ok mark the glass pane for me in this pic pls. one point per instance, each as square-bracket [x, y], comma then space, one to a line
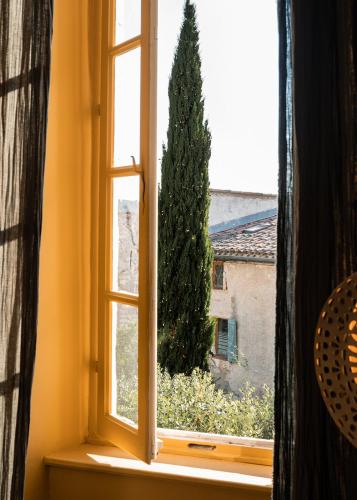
[128, 20]
[125, 361]
[126, 233]
[127, 108]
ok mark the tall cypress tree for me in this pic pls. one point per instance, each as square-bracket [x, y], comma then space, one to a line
[185, 256]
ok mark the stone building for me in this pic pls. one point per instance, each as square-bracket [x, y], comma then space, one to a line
[228, 205]
[243, 298]
[243, 235]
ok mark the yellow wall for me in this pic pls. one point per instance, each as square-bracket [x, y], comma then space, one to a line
[59, 416]
[78, 485]
[59, 400]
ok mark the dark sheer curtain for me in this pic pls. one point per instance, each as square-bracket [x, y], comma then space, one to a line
[316, 236]
[25, 38]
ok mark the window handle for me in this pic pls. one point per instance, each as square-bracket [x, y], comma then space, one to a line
[139, 170]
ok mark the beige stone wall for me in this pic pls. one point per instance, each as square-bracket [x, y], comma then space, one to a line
[229, 205]
[249, 298]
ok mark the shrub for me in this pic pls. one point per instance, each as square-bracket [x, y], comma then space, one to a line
[193, 403]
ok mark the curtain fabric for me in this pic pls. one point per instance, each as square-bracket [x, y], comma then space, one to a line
[25, 37]
[316, 236]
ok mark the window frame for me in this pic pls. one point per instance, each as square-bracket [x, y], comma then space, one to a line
[140, 439]
[102, 428]
[218, 263]
[230, 356]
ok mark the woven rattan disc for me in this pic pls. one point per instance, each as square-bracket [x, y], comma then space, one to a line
[336, 356]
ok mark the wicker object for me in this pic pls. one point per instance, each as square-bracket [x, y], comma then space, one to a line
[335, 352]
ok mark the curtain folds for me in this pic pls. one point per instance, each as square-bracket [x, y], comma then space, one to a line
[25, 38]
[317, 229]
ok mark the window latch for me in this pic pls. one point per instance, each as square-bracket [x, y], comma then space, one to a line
[197, 446]
[139, 170]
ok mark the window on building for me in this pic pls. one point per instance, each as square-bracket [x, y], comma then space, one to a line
[226, 339]
[218, 276]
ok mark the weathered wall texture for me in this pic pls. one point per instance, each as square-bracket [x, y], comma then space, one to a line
[249, 298]
[228, 205]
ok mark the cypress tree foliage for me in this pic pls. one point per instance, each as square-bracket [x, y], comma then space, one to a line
[185, 255]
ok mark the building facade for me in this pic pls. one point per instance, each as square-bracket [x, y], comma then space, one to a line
[243, 236]
[228, 205]
[243, 292]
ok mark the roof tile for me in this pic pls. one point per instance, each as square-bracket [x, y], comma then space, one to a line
[256, 239]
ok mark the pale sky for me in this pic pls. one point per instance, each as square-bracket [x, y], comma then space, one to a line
[239, 52]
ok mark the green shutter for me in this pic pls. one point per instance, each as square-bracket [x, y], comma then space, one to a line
[232, 341]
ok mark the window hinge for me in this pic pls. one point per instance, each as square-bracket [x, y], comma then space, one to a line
[97, 109]
[96, 366]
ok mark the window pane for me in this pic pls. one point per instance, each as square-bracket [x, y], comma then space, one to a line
[127, 108]
[128, 20]
[125, 361]
[126, 192]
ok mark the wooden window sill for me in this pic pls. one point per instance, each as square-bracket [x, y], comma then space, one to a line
[192, 469]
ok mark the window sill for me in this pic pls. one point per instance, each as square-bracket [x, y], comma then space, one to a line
[111, 460]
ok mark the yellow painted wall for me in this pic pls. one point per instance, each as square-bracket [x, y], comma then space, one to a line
[59, 411]
[60, 389]
[78, 485]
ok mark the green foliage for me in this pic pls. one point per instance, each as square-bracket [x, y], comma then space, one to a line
[126, 369]
[185, 255]
[127, 397]
[193, 403]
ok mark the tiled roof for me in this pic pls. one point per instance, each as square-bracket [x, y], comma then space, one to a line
[234, 223]
[254, 238]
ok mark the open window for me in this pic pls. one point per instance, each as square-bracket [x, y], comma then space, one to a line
[127, 246]
[226, 339]
[127, 227]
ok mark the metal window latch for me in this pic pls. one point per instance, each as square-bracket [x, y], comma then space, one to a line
[139, 170]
